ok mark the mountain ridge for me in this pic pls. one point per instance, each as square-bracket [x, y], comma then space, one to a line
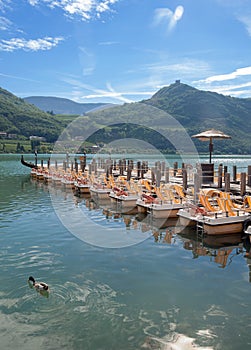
[59, 105]
[195, 109]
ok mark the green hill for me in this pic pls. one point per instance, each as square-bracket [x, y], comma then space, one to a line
[194, 109]
[21, 118]
[200, 110]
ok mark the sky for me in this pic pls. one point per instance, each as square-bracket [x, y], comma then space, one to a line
[119, 51]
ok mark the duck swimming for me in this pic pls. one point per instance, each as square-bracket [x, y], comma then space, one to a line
[39, 286]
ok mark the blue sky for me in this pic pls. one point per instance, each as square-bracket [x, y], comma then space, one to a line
[120, 51]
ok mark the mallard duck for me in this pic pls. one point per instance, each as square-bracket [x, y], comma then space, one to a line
[39, 286]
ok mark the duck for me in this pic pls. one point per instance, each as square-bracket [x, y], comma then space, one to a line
[39, 286]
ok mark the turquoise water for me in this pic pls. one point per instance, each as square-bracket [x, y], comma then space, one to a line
[170, 292]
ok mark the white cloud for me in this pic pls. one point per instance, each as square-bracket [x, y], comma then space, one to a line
[236, 83]
[13, 44]
[168, 16]
[230, 76]
[85, 9]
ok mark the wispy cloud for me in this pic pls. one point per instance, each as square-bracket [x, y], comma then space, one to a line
[85, 9]
[240, 72]
[246, 20]
[110, 94]
[236, 83]
[13, 44]
[108, 43]
[4, 4]
[5, 23]
[17, 77]
[167, 16]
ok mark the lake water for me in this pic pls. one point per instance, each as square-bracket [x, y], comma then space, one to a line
[167, 291]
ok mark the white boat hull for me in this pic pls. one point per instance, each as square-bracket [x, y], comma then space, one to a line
[164, 211]
[125, 201]
[100, 193]
[214, 225]
[84, 189]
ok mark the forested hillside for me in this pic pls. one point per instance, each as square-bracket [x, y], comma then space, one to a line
[194, 109]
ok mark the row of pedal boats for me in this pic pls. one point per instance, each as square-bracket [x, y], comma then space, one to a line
[211, 210]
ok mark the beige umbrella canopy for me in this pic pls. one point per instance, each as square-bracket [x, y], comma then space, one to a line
[209, 135]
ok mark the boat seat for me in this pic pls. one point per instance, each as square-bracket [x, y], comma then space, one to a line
[226, 196]
[247, 201]
[204, 201]
[225, 207]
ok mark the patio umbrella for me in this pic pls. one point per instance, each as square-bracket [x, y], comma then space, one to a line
[210, 135]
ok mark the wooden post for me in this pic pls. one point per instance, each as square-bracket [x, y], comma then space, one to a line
[48, 163]
[175, 168]
[158, 177]
[249, 175]
[197, 186]
[128, 174]
[234, 173]
[167, 175]
[143, 169]
[199, 172]
[138, 169]
[64, 165]
[225, 171]
[42, 163]
[227, 182]
[220, 176]
[153, 175]
[243, 184]
[184, 178]
[163, 167]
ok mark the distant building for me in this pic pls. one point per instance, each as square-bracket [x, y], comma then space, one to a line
[37, 138]
[177, 81]
[12, 136]
[3, 134]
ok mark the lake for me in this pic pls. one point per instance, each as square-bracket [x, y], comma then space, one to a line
[158, 289]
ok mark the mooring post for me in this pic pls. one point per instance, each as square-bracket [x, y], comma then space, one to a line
[153, 175]
[225, 171]
[227, 182]
[175, 168]
[167, 175]
[220, 176]
[249, 175]
[158, 177]
[163, 167]
[243, 184]
[138, 170]
[184, 178]
[197, 186]
[234, 173]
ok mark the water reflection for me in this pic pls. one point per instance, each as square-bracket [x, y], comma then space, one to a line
[220, 250]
